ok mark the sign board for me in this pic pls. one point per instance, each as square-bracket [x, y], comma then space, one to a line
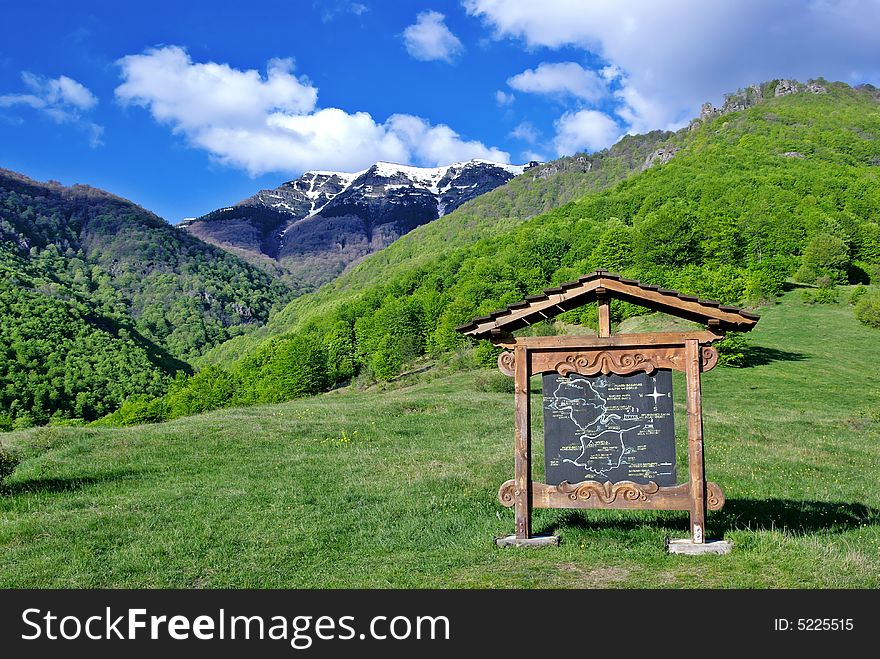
[609, 428]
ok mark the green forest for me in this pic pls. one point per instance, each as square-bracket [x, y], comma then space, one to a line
[101, 300]
[785, 190]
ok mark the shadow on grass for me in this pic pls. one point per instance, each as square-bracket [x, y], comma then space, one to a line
[58, 485]
[761, 356]
[800, 517]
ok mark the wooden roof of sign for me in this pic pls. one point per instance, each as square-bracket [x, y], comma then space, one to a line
[573, 294]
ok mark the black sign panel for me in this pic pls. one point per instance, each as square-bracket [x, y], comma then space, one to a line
[609, 428]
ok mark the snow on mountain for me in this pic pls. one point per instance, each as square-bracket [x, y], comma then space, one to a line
[318, 224]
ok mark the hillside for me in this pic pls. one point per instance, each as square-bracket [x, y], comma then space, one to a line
[398, 488]
[787, 187]
[89, 279]
[538, 190]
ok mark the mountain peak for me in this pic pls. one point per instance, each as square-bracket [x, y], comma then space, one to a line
[318, 224]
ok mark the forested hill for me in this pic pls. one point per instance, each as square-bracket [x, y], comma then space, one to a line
[738, 188]
[101, 299]
[742, 200]
[538, 190]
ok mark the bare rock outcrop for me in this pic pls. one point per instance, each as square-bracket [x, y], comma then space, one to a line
[660, 156]
[786, 87]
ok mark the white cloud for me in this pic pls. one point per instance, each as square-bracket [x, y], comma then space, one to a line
[191, 96]
[62, 99]
[61, 93]
[642, 114]
[273, 123]
[332, 10]
[529, 156]
[438, 144]
[610, 72]
[525, 131]
[677, 54]
[429, 38]
[561, 78]
[502, 98]
[584, 130]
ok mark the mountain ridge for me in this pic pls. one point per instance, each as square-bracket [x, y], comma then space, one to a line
[729, 214]
[317, 225]
[101, 299]
[539, 189]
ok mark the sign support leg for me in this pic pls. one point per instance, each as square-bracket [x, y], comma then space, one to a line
[696, 462]
[522, 460]
[522, 446]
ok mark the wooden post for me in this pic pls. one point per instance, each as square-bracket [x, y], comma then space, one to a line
[696, 465]
[604, 313]
[522, 464]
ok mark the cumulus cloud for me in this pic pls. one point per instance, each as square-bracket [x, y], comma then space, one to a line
[438, 144]
[429, 38]
[674, 55]
[502, 98]
[191, 95]
[588, 130]
[62, 99]
[273, 123]
[561, 78]
[334, 9]
[529, 156]
[525, 131]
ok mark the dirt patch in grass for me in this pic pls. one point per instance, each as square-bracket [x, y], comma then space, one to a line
[601, 577]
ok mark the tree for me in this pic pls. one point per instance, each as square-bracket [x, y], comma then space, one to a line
[297, 368]
[667, 237]
[340, 347]
[824, 256]
[387, 360]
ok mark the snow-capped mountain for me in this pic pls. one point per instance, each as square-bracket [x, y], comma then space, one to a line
[315, 226]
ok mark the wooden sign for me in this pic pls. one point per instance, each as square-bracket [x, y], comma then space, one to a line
[609, 427]
[607, 446]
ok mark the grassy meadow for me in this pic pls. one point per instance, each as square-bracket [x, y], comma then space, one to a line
[397, 487]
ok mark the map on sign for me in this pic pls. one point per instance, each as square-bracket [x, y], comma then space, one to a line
[609, 428]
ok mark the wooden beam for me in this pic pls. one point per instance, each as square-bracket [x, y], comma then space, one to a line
[696, 464]
[620, 495]
[621, 360]
[522, 461]
[674, 305]
[557, 300]
[567, 300]
[623, 340]
[604, 313]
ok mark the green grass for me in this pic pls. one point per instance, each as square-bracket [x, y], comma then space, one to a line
[398, 488]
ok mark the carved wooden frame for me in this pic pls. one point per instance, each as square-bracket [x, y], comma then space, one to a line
[621, 355]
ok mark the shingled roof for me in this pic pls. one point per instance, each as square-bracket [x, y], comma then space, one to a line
[573, 294]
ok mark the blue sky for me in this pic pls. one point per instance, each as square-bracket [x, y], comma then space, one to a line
[188, 106]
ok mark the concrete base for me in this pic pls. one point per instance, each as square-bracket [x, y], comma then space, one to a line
[534, 541]
[685, 546]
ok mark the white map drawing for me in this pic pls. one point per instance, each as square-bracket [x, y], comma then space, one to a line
[606, 421]
[586, 404]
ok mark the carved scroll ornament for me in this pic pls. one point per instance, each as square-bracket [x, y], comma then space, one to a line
[621, 362]
[607, 492]
[708, 358]
[506, 362]
[606, 361]
[623, 494]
